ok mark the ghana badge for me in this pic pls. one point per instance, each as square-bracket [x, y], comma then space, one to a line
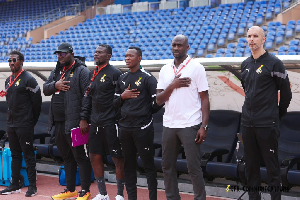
[102, 79]
[18, 82]
[138, 82]
[259, 70]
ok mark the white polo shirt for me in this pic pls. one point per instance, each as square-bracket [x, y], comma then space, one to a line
[183, 109]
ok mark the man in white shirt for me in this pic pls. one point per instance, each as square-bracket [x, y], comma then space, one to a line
[183, 87]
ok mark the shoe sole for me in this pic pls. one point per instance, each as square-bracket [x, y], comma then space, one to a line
[31, 195]
[69, 198]
[12, 192]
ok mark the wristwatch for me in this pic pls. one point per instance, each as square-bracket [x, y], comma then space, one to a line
[205, 127]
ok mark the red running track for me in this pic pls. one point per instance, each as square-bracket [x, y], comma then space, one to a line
[48, 186]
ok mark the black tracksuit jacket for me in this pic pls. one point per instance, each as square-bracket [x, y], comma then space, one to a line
[78, 76]
[262, 78]
[137, 112]
[97, 105]
[24, 101]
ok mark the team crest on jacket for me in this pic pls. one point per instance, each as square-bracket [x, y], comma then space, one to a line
[72, 74]
[138, 82]
[102, 79]
[259, 70]
[18, 82]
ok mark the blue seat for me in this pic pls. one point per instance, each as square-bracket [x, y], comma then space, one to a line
[289, 33]
[221, 51]
[292, 53]
[283, 48]
[238, 54]
[228, 55]
[297, 28]
[209, 56]
[294, 42]
[218, 55]
[221, 42]
[231, 45]
[293, 48]
[281, 53]
[269, 15]
[200, 52]
[247, 54]
[210, 47]
[269, 44]
[279, 39]
[231, 36]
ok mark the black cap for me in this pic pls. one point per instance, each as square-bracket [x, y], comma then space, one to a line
[64, 47]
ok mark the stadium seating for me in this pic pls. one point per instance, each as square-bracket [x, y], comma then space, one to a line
[207, 28]
[19, 17]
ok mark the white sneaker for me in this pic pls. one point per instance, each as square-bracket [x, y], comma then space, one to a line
[119, 197]
[101, 197]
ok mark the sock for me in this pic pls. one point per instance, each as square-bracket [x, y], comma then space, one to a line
[120, 185]
[101, 185]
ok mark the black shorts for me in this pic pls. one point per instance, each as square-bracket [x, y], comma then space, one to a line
[104, 141]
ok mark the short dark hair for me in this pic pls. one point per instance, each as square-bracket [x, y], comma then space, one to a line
[21, 56]
[137, 49]
[108, 48]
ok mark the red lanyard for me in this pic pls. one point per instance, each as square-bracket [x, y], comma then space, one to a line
[11, 83]
[4, 93]
[176, 73]
[93, 78]
[64, 72]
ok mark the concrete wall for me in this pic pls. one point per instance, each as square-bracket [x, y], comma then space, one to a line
[292, 14]
[196, 3]
[53, 28]
[63, 26]
[91, 12]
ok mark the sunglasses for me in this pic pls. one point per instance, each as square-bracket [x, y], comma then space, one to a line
[14, 60]
[62, 54]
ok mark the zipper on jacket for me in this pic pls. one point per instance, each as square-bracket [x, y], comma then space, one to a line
[252, 75]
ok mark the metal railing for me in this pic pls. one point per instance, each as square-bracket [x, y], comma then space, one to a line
[291, 6]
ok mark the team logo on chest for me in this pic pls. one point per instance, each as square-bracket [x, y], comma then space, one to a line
[18, 82]
[102, 79]
[138, 82]
[71, 74]
[259, 70]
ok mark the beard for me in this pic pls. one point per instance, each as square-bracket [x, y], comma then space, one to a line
[67, 63]
[98, 62]
[14, 69]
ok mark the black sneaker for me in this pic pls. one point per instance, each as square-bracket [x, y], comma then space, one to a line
[32, 191]
[84, 195]
[11, 189]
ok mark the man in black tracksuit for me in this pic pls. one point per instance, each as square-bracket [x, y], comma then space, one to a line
[24, 106]
[262, 76]
[67, 84]
[98, 108]
[136, 96]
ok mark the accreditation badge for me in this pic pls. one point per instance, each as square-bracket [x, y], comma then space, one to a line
[3, 93]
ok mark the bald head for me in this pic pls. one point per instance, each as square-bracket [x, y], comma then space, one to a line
[258, 30]
[256, 39]
[181, 38]
[180, 46]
